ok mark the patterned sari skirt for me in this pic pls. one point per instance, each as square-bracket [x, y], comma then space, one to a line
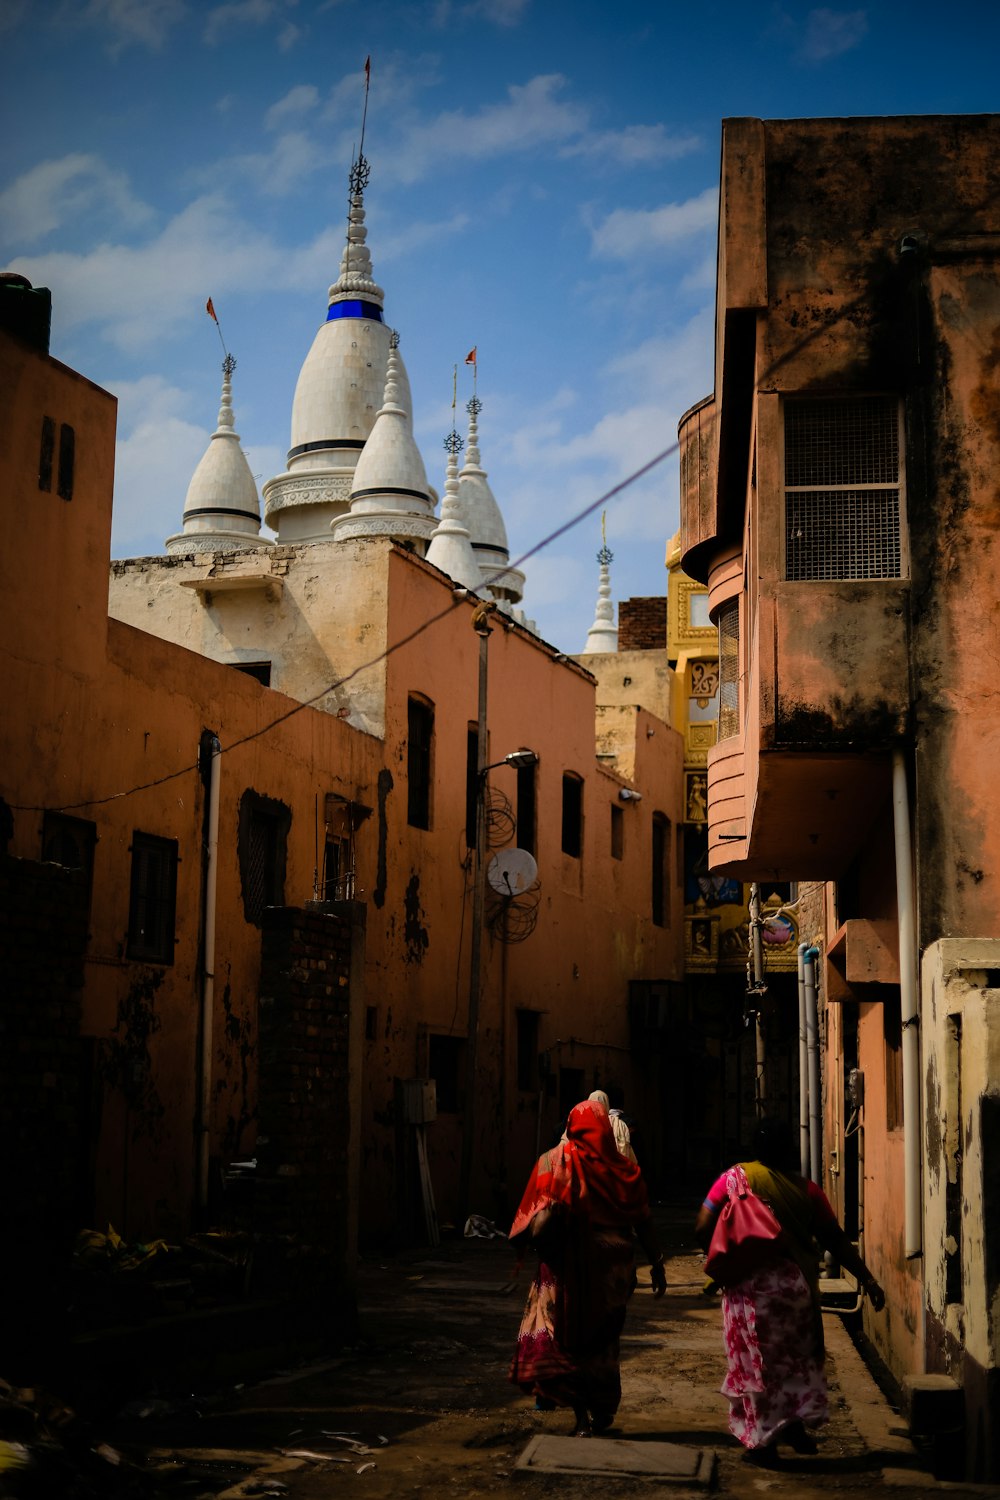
[568, 1343]
[774, 1353]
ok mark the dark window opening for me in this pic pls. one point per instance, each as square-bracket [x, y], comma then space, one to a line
[661, 871]
[571, 1089]
[260, 671]
[67, 461]
[262, 848]
[617, 832]
[70, 842]
[526, 807]
[419, 740]
[371, 1023]
[152, 899]
[471, 785]
[46, 453]
[444, 1056]
[892, 1032]
[572, 815]
[527, 1050]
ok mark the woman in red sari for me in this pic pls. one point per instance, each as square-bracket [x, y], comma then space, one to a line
[583, 1206]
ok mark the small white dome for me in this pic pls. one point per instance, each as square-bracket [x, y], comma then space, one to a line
[221, 511]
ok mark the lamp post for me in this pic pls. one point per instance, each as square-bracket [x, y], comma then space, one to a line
[516, 758]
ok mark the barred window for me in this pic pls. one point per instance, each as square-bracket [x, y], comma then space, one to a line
[262, 842]
[729, 669]
[843, 484]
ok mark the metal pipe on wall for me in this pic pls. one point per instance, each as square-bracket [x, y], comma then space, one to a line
[909, 1012]
[803, 1068]
[810, 959]
[210, 743]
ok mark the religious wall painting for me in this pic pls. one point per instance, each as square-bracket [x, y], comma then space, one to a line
[700, 884]
[701, 941]
[695, 796]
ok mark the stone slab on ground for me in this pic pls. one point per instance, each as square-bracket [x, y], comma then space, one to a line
[669, 1463]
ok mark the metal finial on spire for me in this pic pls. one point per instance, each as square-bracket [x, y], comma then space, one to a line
[605, 556]
[453, 443]
[474, 406]
[394, 339]
[228, 366]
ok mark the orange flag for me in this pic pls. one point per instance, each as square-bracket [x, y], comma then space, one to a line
[211, 310]
[470, 358]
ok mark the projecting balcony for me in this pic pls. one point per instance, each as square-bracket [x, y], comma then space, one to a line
[824, 697]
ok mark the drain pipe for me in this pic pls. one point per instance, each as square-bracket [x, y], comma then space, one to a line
[913, 1237]
[803, 1066]
[210, 747]
[810, 959]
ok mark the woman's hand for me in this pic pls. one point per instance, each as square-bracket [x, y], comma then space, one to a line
[658, 1278]
[875, 1294]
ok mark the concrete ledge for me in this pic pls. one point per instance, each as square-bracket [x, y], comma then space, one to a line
[667, 1463]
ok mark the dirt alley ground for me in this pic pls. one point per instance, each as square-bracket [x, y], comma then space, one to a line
[425, 1390]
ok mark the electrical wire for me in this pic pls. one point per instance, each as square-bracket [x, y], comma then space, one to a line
[406, 640]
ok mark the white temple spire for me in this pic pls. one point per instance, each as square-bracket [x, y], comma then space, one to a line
[603, 634]
[221, 511]
[480, 512]
[450, 548]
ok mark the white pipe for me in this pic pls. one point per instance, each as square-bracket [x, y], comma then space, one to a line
[809, 961]
[908, 999]
[803, 1066]
[208, 974]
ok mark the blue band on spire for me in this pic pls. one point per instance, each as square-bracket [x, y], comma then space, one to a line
[370, 310]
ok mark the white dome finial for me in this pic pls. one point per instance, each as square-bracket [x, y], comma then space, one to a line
[603, 634]
[450, 547]
[221, 511]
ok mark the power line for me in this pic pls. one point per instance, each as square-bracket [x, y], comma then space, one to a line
[453, 603]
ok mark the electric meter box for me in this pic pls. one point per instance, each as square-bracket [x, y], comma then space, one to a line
[419, 1101]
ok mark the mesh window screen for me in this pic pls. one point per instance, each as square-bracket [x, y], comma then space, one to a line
[729, 669]
[842, 489]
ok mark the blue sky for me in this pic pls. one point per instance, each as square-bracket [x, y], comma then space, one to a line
[544, 178]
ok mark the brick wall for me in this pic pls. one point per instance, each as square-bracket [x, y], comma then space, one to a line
[642, 624]
[307, 1105]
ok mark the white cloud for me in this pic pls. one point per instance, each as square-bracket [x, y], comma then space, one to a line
[58, 192]
[224, 20]
[154, 461]
[831, 33]
[530, 117]
[636, 145]
[499, 12]
[293, 156]
[300, 100]
[144, 23]
[632, 232]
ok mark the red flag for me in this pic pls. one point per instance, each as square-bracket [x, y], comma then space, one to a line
[368, 69]
[211, 310]
[470, 358]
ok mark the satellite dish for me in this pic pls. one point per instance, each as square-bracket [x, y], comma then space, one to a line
[512, 871]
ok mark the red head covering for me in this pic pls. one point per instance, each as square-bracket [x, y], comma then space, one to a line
[586, 1174]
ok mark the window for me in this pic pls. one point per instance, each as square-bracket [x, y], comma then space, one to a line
[661, 870]
[526, 785]
[152, 899]
[528, 1078]
[471, 785]
[337, 882]
[70, 842]
[729, 669]
[843, 488]
[698, 609]
[259, 670]
[617, 832]
[572, 814]
[892, 1032]
[445, 1055]
[262, 850]
[67, 460]
[419, 739]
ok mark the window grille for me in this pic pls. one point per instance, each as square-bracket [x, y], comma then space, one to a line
[262, 843]
[572, 815]
[842, 489]
[419, 740]
[729, 669]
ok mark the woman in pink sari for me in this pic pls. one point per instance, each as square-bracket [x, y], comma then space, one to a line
[583, 1206]
[772, 1323]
